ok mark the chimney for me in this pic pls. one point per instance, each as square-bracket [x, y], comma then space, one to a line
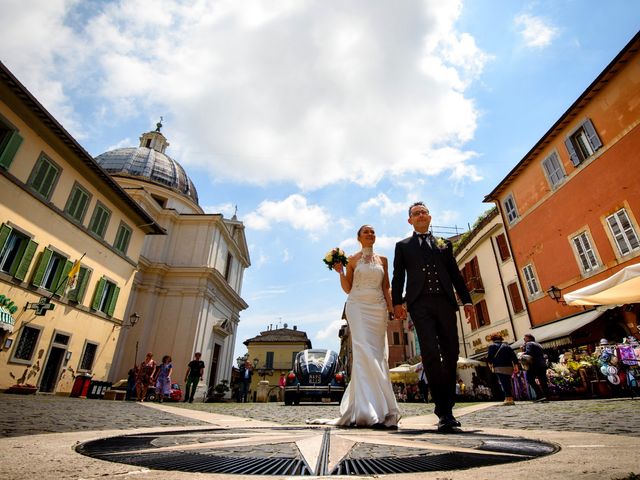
[295, 328]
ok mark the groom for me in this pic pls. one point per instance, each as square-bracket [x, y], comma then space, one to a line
[432, 273]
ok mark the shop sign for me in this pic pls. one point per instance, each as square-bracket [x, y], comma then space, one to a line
[476, 342]
[7, 303]
[503, 333]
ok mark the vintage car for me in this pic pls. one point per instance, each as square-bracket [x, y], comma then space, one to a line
[317, 375]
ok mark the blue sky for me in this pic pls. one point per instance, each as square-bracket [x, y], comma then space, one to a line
[317, 117]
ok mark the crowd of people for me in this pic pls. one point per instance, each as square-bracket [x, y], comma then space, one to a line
[149, 374]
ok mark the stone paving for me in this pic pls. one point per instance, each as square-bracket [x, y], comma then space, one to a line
[34, 414]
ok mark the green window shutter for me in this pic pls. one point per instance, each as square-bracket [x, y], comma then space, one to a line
[5, 230]
[83, 281]
[23, 266]
[61, 281]
[6, 157]
[45, 256]
[112, 301]
[102, 283]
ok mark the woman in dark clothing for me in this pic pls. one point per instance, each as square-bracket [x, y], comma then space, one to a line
[503, 362]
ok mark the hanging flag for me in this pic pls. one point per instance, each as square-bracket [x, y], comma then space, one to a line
[72, 281]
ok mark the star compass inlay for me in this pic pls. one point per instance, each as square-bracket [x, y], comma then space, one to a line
[312, 450]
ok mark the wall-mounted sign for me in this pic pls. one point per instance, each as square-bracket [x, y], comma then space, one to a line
[504, 333]
[7, 303]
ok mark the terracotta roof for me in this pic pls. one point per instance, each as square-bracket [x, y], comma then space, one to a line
[280, 335]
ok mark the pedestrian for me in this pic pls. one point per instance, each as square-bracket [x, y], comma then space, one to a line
[246, 371]
[195, 370]
[423, 385]
[537, 368]
[503, 362]
[131, 383]
[282, 383]
[461, 389]
[146, 374]
[431, 273]
[163, 379]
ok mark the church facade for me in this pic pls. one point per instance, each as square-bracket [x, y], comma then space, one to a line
[187, 290]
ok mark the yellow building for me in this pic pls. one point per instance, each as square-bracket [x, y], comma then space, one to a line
[58, 206]
[272, 353]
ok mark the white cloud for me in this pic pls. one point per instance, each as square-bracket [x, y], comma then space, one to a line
[228, 209]
[293, 211]
[536, 31]
[291, 91]
[330, 331]
[384, 204]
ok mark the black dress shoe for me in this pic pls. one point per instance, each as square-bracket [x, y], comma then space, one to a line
[448, 423]
[382, 426]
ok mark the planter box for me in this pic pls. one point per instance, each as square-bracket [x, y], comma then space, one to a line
[22, 389]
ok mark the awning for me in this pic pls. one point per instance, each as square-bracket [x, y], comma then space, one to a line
[620, 288]
[6, 320]
[559, 333]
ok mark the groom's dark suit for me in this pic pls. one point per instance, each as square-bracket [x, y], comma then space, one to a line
[431, 276]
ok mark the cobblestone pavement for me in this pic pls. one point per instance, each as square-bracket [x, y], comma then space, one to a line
[34, 414]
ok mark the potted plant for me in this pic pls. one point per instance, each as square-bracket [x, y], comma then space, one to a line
[220, 390]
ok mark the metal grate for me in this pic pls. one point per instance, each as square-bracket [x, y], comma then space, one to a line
[209, 451]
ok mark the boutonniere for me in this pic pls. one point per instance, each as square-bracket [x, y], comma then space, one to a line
[441, 243]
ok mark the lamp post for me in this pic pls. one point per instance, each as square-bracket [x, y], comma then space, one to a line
[555, 294]
[133, 319]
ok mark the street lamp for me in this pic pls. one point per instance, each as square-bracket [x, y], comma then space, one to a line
[555, 294]
[133, 319]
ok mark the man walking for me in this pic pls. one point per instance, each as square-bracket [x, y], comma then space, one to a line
[431, 274]
[246, 371]
[537, 368]
[195, 370]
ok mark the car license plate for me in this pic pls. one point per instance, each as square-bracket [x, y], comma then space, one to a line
[314, 378]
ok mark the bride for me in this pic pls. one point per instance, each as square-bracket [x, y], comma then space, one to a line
[369, 400]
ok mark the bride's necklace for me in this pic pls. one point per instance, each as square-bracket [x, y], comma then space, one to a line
[367, 254]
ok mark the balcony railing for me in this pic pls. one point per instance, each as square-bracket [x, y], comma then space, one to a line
[474, 285]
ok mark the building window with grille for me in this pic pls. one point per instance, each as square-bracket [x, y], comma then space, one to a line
[44, 176]
[510, 209]
[396, 338]
[582, 143]
[623, 232]
[122, 238]
[16, 252]
[27, 344]
[10, 141]
[105, 296]
[553, 170]
[584, 251]
[100, 220]
[530, 280]
[77, 203]
[88, 357]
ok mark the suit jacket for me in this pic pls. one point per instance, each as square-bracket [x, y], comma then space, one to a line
[409, 262]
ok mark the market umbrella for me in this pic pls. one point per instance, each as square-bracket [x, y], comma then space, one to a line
[469, 363]
[404, 373]
[620, 288]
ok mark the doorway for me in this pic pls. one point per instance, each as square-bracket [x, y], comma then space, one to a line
[51, 370]
[213, 377]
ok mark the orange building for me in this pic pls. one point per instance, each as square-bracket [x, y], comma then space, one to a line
[572, 205]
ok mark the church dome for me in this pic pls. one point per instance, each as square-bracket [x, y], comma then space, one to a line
[148, 162]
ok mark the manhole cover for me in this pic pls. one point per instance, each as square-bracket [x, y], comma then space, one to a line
[317, 451]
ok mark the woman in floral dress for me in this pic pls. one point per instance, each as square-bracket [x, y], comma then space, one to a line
[146, 373]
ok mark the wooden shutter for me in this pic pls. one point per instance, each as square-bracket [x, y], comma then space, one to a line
[25, 261]
[573, 155]
[97, 295]
[45, 256]
[83, 279]
[474, 321]
[481, 308]
[61, 281]
[6, 157]
[112, 301]
[503, 248]
[5, 230]
[594, 140]
[516, 299]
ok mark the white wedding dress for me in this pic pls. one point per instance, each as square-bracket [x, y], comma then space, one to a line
[369, 399]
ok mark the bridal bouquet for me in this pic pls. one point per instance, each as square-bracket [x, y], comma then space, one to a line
[335, 256]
